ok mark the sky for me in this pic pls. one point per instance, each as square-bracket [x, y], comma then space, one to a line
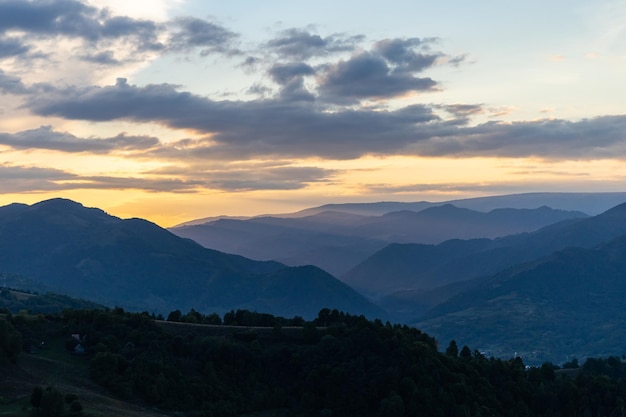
[172, 110]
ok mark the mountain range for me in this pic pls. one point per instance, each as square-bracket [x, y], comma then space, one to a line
[552, 293]
[138, 265]
[567, 305]
[338, 241]
[406, 275]
[590, 203]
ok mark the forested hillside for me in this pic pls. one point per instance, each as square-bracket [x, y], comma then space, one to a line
[133, 263]
[337, 364]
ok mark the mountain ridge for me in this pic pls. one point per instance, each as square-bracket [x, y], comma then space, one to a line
[135, 264]
[337, 241]
[564, 305]
[422, 268]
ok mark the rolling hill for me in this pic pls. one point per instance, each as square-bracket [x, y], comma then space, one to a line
[411, 271]
[137, 265]
[568, 304]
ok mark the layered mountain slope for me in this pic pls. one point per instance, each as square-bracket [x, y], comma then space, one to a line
[590, 203]
[316, 241]
[137, 265]
[402, 267]
[568, 304]
[337, 241]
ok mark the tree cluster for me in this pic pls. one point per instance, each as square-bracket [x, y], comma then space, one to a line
[10, 341]
[341, 365]
[50, 402]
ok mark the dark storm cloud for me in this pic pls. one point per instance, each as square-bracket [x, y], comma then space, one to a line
[301, 44]
[368, 76]
[46, 138]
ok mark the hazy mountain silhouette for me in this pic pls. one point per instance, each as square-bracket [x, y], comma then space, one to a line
[590, 203]
[137, 265]
[570, 303]
[412, 269]
[337, 241]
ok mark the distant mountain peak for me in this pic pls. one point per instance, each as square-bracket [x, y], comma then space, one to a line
[56, 204]
[58, 201]
[66, 208]
[446, 208]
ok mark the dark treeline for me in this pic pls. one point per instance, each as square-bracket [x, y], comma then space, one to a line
[343, 365]
[234, 318]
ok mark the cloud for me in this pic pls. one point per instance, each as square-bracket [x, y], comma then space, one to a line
[595, 138]
[12, 47]
[32, 21]
[525, 184]
[20, 179]
[46, 138]
[462, 113]
[285, 73]
[402, 53]
[171, 185]
[191, 32]
[246, 176]
[72, 19]
[299, 44]
[266, 127]
[181, 179]
[244, 128]
[269, 178]
[291, 79]
[369, 76]
[190, 173]
[11, 85]
[45, 17]
[388, 70]
[102, 58]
